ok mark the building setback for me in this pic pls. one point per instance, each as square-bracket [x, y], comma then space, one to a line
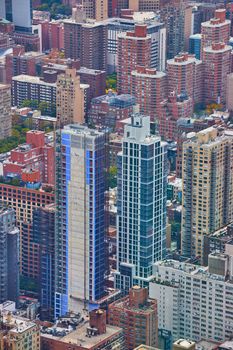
[171, 110]
[20, 62]
[185, 76]
[133, 49]
[157, 31]
[215, 30]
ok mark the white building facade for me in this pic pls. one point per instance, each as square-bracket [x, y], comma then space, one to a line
[195, 302]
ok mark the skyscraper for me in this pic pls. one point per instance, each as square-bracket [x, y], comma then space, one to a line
[70, 99]
[217, 65]
[185, 75]
[133, 49]
[80, 219]
[216, 29]
[141, 218]
[9, 253]
[176, 15]
[83, 40]
[207, 188]
[155, 29]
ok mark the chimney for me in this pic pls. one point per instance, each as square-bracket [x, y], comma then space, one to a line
[221, 15]
[98, 320]
[137, 296]
[140, 30]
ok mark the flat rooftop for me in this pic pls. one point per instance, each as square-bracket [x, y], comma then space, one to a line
[79, 336]
[210, 23]
[90, 71]
[145, 347]
[198, 271]
[33, 80]
[16, 323]
[77, 129]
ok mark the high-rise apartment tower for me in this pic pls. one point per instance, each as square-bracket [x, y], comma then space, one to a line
[141, 217]
[80, 218]
[207, 188]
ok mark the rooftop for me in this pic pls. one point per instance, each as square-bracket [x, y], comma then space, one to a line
[120, 101]
[4, 21]
[77, 129]
[30, 54]
[151, 73]
[90, 71]
[206, 345]
[228, 344]
[198, 271]
[145, 347]
[79, 335]
[195, 36]
[129, 36]
[17, 324]
[183, 58]
[32, 80]
[139, 18]
[213, 22]
[186, 344]
[222, 233]
[89, 23]
[217, 48]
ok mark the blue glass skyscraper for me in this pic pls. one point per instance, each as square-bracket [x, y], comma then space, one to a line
[141, 204]
[80, 219]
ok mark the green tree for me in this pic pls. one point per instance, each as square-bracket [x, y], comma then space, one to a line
[112, 176]
[30, 103]
[111, 81]
[43, 107]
